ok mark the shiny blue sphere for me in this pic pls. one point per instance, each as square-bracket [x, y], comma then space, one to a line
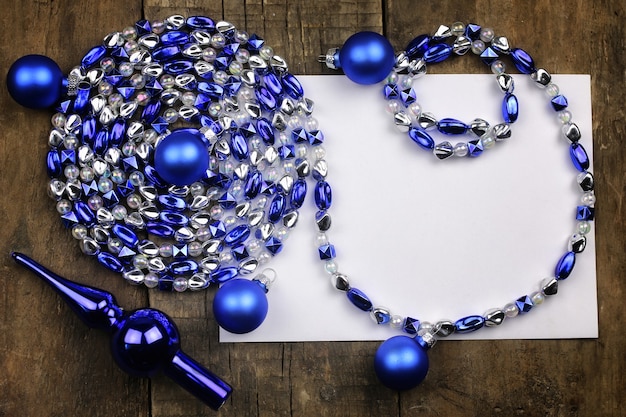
[35, 81]
[401, 363]
[240, 306]
[366, 57]
[182, 157]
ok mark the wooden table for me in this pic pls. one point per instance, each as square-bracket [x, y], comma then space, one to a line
[52, 365]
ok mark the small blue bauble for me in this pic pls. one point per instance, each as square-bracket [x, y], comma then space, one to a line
[366, 58]
[401, 363]
[35, 81]
[182, 157]
[240, 305]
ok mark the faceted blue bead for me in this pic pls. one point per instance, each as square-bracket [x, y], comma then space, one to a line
[559, 102]
[143, 27]
[178, 67]
[64, 106]
[248, 130]
[114, 78]
[222, 61]
[90, 188]
[231, 49]
[276, 209]
[472, 31]
[264, 127]
[94, 56]
[273, 245]
[227, 201]
[255, 42]
[125, 234]
[422, 138]
[160, 125]
[240, 252]
[89, 129]
[585, 213]
[359, 299]
[316, 137]
[239, 146]
[130, 163]
[237, 235]
[523, 61]
[68, 156]
[174, 37]
[213, 90]
[84, 213]
[298, 193]
[475, 148]
[159, 229]
[252, 188]
[53, 163]
[69, 219]
[165, 53]
[299, 135]
[117, 132]
[180, 251]
[411, 325]
[222, 275]
[217, 229]
[451, 126]
[579, 156]
[524, 304]
[119, 54]
[408, 96]
[266, 98]
[232, 86]
[101, 143]
[153, 87]
[200, 22]
[469, 324]
[510, 108]
[438, 53]
[81, 100]
[272, 82]
[488, 56]
[166, 283]
[417, 47]
[110, 199]
[110, 261]
[292, 86]
[153, 177]
[173, 218]
[151, 111]
[565, 266]
[391, 91]
[185, 267]
[126, 188]
[323, 195]
[326, 252]
[286, 152]
[126, 91]
[268, 188]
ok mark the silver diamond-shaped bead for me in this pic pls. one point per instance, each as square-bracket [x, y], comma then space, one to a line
[290, 219]
[187, 113]
[170, 96]
[209, 264]
[402, 64]
[501, 44]
[152, 70]
[185, 81]
[585, 181]
[149, 41]
[175, 21]
[443, 150]
[256, 157]
[505, 82]
[107, 116]
[148, 192]
[427, 121]
[248, 266]
[73, 189]
[266, 230]
[461, 45]
[143, 150]
[201, 37]
[89, 246]
[149, 211]
[198, 282]
[577, 243]
[140, 57]
[502, 131]
[100, 234]
[230, 104]
[85, 155]
[224, 27]
[541, 77]
[100, 167]
[479, 127]
[241, 171]
[128, 108]
[324, 222]
[113, 156]
[550, 286]
[303, 168]
[97, 103]
[402, 121]
[193, 51]
[340, 282]
[494, 317]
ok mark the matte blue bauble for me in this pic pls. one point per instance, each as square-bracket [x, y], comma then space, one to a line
[240, 306]
[35, 81]
[182, 157]
[401, 363]
[366, 57]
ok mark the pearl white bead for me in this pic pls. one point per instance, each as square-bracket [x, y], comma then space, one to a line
[458, 28]
[415, 109]
[321, 239]
[393, 106]
[392, 78]
[487, 35]
[331, 266]
[552, 90]
[478, 47]
[588, 199]
[461, 149]
[396, 321]
[537, 298]
[488, 142]
[311, 123]
[498, 67]
[511, 310]
[564, 116]
[583, 228]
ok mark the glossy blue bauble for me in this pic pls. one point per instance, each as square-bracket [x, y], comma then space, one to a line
[35, 81]
[182, 157]
[240, 306]
[401, 363]
[366, 58]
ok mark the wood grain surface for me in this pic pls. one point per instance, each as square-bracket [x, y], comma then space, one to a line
[52, 365]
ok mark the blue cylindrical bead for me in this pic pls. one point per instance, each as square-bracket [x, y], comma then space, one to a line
[417, 47]
[359, 299]
[298, 193]
[323, 195]
[237, 235]
[276, 209]
[125, 234]
[579, 156]
[94, 56]
[565, 265]
[422, 138]
[510, 108]
[438, 53]
[222, 275]
[469, 324]
[523, 61]
[53, 163]
[184, 267]
[110, 261]
[451, 127]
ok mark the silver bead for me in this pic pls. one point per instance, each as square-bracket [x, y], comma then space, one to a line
[279, 64]
[212, 247]
[148, 248]
[184, 234]
[505, 82]
[380, 315]
[417, 68]
[199, 202]
[320, 168]
[279, 121]
[442, 32]
[170, 96]
[257, 63]
[494, 317]
[200, 219]
[271, 154]
[248, 266]
[444, 328]
[585, 181]
[89, 246]
[266, 230]
[541, 77]
[402, 64]
[303, 168]
[94, 76]
[256, 157]
[549, 286]
[140, 57]
[479, 127]
[305, 105]
[427, 339]
[577, 243]
[255, 217]
[201, 37]
[571, 132]
[224, 27]
[461, 45]
[187, 113]
[55, 138]
[253, 110]
[193, 51]
[290, 219]
[105, 217]
[134, 219]
[402, 121]
[175, 22]
[73, 189]
[198, 281]
[443, 150]
[248, 77]
[202, 68]
[134, 276]
[287, 106]
[501, 44]
[112, 40]
[152, 70]
[502, 132]
[427, 121]
[128, 108]
[209, 264]
[149, 41]
[340, 282]
[148, 192]
[241, 171]
[143, 150]
[107, 116]
[286, 182]
[72, 123]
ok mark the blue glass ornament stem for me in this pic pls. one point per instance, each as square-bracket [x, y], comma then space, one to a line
[98, 309]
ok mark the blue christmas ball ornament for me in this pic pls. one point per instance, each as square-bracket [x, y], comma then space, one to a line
[366, 57]
[240, 305]
[182, 157]
[35, 81]
[401, 363]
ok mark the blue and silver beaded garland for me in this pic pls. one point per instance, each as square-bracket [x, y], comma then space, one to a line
[178, 155]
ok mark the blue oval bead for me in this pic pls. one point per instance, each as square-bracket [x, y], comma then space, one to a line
[213, 90]
[273, 83]
[417, 47]
[523, 61]
[110, 261]
[510, 108]
[89, 129]
[323, 195]
[469, 324]
[579, 156]
[173, 218]
[53, 163]
[292, 86]
[359, 299]
[253, 185]
[84, 213]
[298, 193]
[151, 111]
[117, 132]
[239, 146]
[125, 234]
[451, 127]
[153, 177]
[185, 267]
[165, 53]
[422, 138]
[437, 53]
[94, 56]
[222, 275]
[276, 209]
[265, 130]
[565, 265]
[177, 67]
[266, 98]
[200, 22]
[174, 37]
[81, 99]
[237, 235]
[172, 202]
[101, 143]
[159, 229]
